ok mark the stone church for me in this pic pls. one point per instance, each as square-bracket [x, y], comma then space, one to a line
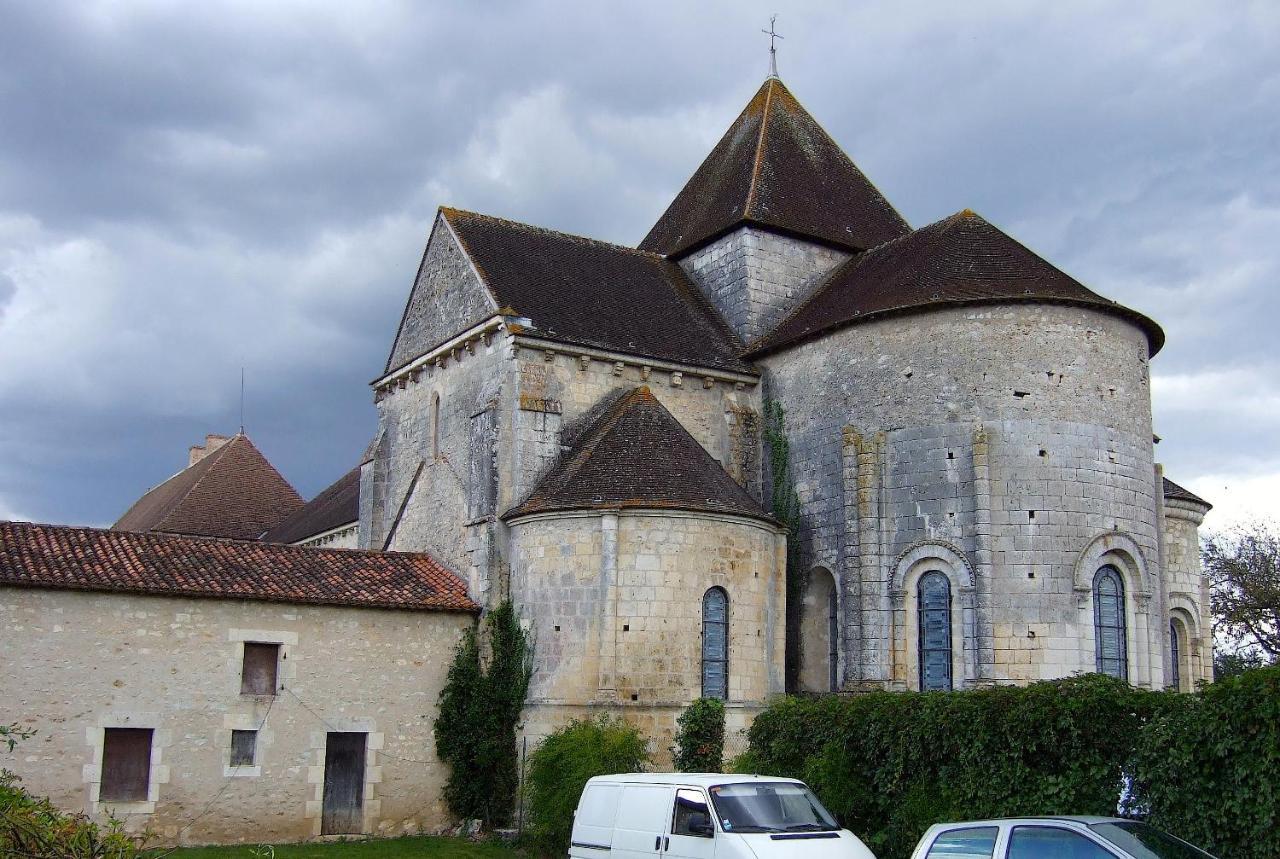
[578, 425]
[591, 431]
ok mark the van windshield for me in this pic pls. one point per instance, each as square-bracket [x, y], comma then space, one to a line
[776, 806]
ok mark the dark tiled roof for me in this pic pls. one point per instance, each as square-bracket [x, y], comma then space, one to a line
[593, 293]
[1173, 490]
[91, 559]
[233, 492]
[957, 261]
[776, 167]
[631, 453]
[337, 505]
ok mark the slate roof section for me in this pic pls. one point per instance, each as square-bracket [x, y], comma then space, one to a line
[632, 454]
[777, 168]
[960, 260]
[92, 559]
[233, 492]
[592, 293]
[335, 506]
[1180, 493]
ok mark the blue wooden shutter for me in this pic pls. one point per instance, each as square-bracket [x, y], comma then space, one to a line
[715, 644]
[935, 632]
[1175, 652]
[1109, 623]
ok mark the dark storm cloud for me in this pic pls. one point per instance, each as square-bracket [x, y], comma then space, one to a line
[186, 189]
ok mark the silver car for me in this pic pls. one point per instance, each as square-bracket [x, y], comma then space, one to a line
[1052, 838]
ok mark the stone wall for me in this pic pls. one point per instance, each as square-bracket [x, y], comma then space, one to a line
[755, 277]
[998, 444]
[1187, 596]
[92, 661]
[614, 603]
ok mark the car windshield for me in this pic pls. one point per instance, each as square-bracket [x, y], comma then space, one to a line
[1143, 841]
[775, 806]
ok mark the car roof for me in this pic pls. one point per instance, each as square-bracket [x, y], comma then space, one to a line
[1086, 819]
[696, 779]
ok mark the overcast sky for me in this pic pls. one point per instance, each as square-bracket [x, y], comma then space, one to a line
[186, 188]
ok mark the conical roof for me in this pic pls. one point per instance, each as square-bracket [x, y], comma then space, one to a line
[630, 453]
[777, 168]
[959, 260]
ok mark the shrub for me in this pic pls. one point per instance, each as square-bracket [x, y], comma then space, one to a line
[889, 764]
[1207, 767]
[699, 744]
[559, 769]
[479, 712]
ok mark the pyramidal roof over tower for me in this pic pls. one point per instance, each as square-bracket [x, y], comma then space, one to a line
[777, 168]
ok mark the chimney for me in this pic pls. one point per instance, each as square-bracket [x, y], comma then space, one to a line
[212, 442]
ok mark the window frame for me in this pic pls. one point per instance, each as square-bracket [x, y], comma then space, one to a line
[993, 828]
[253, 748]
[111, 758]
[723, 659]
[1109, 572]
[1088, 837]
[946, 610]
[706, 805]
[252, 689]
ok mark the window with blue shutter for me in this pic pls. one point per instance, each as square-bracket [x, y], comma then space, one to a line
[934, 598]
[1109, 623]
[1175, 653]
[715, 644]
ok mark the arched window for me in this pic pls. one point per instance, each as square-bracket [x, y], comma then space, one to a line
[1109, 624]
[934, 598]
[715, 644]
[1175, 657]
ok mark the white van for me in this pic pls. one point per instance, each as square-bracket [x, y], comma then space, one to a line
[706, 816]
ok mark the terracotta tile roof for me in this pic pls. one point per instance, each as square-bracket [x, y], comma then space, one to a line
[233, 492]
[91, 559]
[592, 293]
[1173, 490]
[630, 452]
[959, 260]
[337, 505]
[777, 168]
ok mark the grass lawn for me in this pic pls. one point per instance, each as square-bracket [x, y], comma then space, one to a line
[416, 847]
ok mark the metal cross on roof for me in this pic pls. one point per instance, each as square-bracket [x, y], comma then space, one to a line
[773, 50]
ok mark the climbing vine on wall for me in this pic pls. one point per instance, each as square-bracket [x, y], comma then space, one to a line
[785, 506]
[479, 713]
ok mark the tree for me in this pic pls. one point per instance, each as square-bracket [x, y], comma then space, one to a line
[1243, 566]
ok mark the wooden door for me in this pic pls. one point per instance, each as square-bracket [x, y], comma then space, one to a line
[343, 783]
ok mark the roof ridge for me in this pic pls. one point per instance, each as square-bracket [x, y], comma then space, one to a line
[213, 459]
[448, 211]
[759, 156]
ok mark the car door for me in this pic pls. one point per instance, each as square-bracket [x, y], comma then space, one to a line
[688, 840]
[643, 821]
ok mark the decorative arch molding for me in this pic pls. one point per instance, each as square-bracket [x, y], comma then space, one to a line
[1182, 605]
[1120, 551]
[913, 562]
[958, 568]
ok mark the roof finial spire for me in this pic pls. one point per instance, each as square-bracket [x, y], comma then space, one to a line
[773, 49]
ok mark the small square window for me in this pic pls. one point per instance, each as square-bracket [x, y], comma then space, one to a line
[243, 744]
[126, 764]
[258, 673]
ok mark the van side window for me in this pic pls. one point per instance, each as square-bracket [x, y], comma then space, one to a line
[971, 843]
[691, 807]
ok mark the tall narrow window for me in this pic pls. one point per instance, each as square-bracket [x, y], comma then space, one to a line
[435, 427]
[833, 639]
[126, 764]
[1109, 624]
[715, 644]
[1175, 657]
[935, 632]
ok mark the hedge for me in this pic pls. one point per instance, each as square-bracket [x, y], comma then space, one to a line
[559, 769]
[889, 764]
[699, 746]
